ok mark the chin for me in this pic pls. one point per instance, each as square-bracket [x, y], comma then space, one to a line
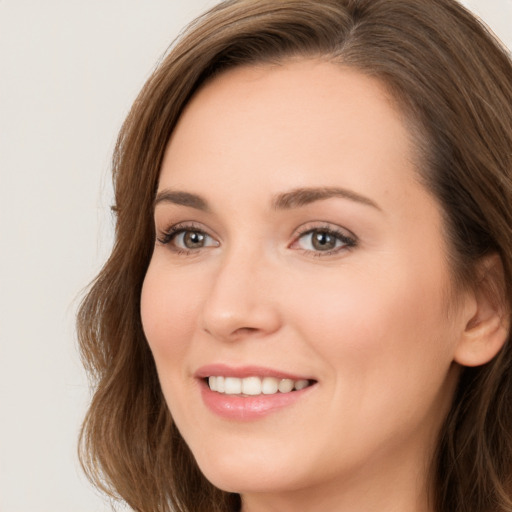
[249, 472]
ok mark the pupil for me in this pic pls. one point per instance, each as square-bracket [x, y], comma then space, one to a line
[193, 239]
[323, 241]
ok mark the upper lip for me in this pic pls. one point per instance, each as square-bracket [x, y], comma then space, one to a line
[219, 369]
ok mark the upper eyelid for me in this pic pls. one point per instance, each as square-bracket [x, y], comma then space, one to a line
[186, 226]
[333, 232]
[326, 226]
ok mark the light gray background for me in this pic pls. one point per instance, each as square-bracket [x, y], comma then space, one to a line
[69, 71]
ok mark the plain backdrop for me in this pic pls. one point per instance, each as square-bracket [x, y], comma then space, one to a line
[69, 71]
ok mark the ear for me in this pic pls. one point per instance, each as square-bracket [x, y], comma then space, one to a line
[488, 323]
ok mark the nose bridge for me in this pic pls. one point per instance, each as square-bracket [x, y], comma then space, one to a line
[240, 297]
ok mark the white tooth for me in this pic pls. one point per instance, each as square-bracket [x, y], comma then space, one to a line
[220, 384]
[300, 384]
[232, 386]
[269, 386]
[251, 386]
[212, 382]
[285, 385]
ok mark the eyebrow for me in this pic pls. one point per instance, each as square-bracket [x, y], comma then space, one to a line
[181, 198]
[288, 200]
[304, 196]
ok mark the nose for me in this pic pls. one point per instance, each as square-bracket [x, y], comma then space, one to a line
[242, 299]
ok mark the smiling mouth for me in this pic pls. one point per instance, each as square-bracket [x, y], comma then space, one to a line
[254, 386]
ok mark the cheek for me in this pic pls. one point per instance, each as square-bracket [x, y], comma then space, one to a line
[387, 345]
[357, 310]
[379, 335]
[168, 312]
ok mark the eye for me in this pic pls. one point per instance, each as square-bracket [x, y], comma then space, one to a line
[323, 241]
[186, 239]
[190, 239]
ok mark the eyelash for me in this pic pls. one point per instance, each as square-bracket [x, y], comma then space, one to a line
[349, 242]
[171, 233]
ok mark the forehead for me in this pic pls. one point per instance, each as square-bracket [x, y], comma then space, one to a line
[301, 123]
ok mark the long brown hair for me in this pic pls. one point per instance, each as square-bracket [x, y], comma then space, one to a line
[453, 82]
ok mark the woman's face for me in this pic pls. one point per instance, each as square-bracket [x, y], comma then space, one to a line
[296, 247]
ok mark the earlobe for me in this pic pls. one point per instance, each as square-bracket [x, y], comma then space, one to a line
[488, 327]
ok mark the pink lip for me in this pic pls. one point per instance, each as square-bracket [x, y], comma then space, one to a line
[247, 408]
[244, 371]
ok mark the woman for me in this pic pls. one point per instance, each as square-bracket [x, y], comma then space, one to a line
[307, 306]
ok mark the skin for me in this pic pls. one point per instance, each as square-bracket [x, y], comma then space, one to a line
[368, 322]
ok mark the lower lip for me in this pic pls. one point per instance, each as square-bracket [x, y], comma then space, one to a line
[248, 408]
